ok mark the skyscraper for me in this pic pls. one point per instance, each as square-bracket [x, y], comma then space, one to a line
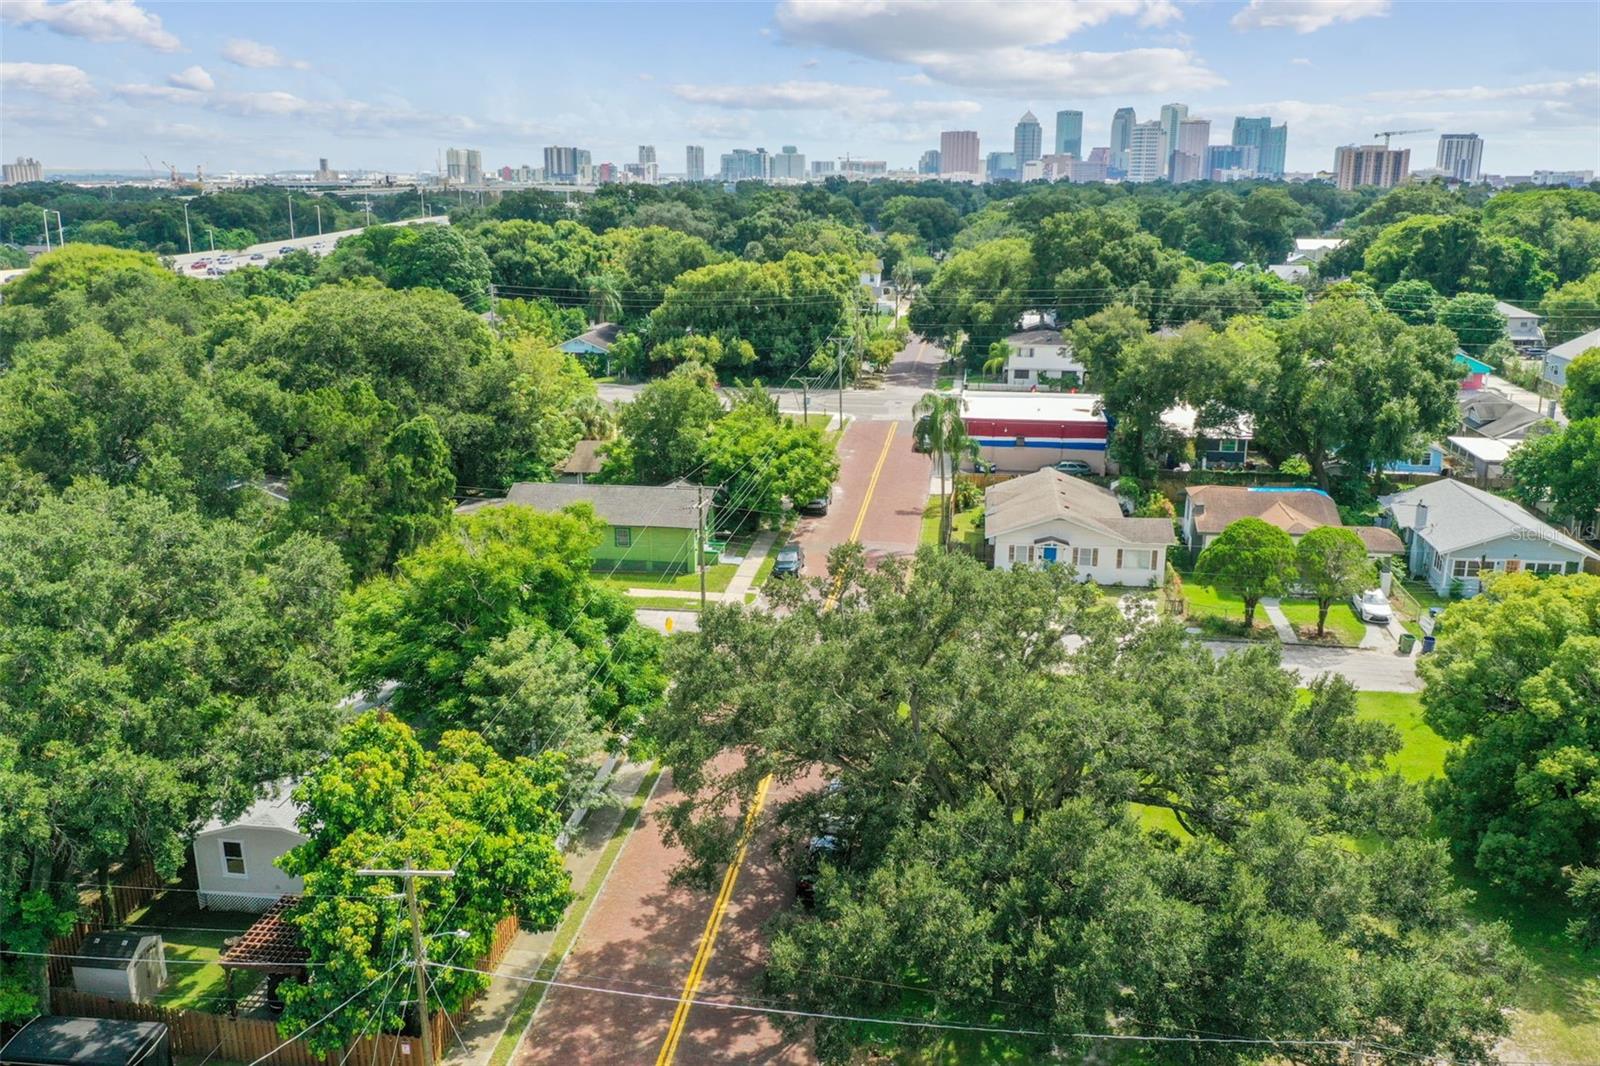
[647, 154]
[958, 152]
[695, 163]
[929, 163]
[1271, 143]
[1069, 133]
[1229, 162]
[1188, 159]
[1122, 124]
[23, 171]
[788, 164]
[741, 164]
[1147, 152]
[1461, 155]
[1370, 164]
[1001, 166]
[564, 164]
[1028, 141]
[1171, 115]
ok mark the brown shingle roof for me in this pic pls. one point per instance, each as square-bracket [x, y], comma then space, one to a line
[1295, 511]
[585, 458]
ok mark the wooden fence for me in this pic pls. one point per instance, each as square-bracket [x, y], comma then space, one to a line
[131, 889]
[225, 1039]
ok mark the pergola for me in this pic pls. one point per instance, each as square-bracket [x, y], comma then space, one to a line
[271, 945]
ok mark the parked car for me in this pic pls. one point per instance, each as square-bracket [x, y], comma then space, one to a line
[983, 466]
[224, 259]
[791, 559]
[1373, 606]
[818, 506]
[818, 849]
[1075, 467]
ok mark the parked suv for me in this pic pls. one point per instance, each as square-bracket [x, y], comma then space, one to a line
[791, 560]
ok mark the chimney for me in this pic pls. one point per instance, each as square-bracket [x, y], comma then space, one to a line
[1422, 518]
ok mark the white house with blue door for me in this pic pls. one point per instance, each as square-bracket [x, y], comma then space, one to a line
[1050, 518]
[1454, 532]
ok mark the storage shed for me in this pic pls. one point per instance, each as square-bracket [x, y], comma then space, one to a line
[49, 1041]
[120, 964]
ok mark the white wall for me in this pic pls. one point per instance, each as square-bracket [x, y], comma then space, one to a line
[262, 882]
[1104, 570]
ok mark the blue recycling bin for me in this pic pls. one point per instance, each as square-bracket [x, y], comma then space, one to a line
[1427, 644]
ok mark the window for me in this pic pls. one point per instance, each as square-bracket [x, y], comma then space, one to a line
[233, 858]
[622, 536]
[1470, 567]
[1020, 375]
[1135, 559]
[1021, 553]
[1083, 557]
[1230, 445]
[1544, 568]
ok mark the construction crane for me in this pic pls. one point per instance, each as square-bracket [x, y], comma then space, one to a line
[1386, 134]
[152, 167]
[172, 171]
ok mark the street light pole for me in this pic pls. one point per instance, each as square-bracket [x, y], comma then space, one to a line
[61, 236]
[188, 235]
[212, 232]
[290, 197]
[418, 950]
[700, 539]
[319, 219]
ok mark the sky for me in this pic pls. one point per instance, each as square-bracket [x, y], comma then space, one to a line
[253, 87]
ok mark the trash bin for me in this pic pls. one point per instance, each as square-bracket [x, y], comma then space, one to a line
[1407, 642]
[1427, 644]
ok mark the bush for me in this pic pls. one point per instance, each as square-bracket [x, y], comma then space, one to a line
[1295, 465]
[967, 494]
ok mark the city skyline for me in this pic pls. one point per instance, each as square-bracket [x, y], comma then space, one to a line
[226, 87]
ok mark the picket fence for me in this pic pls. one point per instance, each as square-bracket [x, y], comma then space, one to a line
[220, 1038]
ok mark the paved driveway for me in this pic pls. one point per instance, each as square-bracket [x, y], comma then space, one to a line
[1377, 671]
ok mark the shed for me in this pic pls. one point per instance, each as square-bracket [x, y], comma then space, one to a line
[49, 1041]
[120, 964]
[235, 860]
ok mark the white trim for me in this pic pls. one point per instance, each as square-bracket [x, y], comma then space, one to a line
[244, 866]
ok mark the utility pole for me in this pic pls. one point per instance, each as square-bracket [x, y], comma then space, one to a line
[188, 234]
[841, 384]
[409, 876]
[61, 236]
[700, 538]
[290, 197]
[805, 402]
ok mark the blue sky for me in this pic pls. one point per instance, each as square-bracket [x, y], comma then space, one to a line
[252, 86]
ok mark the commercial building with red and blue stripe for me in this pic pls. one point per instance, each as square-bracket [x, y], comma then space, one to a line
[1020, 432]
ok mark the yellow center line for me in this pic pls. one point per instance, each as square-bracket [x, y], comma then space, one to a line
[708, 938]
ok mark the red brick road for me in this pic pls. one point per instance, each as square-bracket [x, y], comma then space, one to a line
[893, 521]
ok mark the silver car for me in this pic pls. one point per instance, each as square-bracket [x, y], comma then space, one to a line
[1373, 606]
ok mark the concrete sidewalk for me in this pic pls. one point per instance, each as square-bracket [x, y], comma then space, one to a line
[481, 1032]
[1280, 621]
[745, 576]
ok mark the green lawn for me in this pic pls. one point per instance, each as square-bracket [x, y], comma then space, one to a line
[666, 603]
[1423, 753]
[191, 935]
[965, 530]
[1343, 625]
[765, 570]
[717, 578]
[1221, 613]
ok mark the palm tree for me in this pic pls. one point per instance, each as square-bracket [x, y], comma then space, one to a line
[948, 441]
[605, 297]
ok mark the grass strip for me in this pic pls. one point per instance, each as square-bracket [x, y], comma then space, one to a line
[567, 931]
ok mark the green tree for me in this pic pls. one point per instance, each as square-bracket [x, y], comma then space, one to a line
[977, 296]
[1251, 558]
[524, 410]
[1091, 259]
[664, 428]
[540, 259]
[497, 571]
[1472, 317]
[1414, 302]
[949, 443]
[73, 267]
[1560, 468]
[383, 800]
[988, 780]
[1512, 684]
[1581, 396]
[1332, 564]
[439, 257]
[604, 293]
[156, 668]
[759, 458]
[649, 259]
[1573, 310]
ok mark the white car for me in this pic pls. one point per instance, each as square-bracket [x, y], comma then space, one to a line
[1373, 606]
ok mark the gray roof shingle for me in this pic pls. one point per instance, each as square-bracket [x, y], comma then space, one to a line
[664, 506]
[1049, 494]
[1461, 516]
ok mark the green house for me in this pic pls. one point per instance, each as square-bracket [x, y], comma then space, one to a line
[652, 528]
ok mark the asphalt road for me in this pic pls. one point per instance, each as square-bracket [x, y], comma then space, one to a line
[315, 243]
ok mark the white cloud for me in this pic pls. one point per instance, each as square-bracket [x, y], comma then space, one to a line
[195, 78]
[1305, 16]
[1586, 86]
[1301, 61]
[779, 96]
[93, 20]
[58, 81]
[258, 56]
[975, 46]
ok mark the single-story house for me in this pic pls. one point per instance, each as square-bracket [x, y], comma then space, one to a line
[235, 861]
[594, 344]
[1209, 509]
[1557, 359]
[1484, 456]
[1312, 249]
[120, 964]
[59, 1041]
[1429, 460]
[1226, 444]
[1037, 353]
[584, 462]
[652, 528]
[1492, 414]
[1020, 432]
[1290, 272]
[1049, 517]
[1477, 372]
[1454, 532]
[1522, 327]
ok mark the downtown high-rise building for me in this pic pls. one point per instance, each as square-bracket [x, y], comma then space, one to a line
[929, 163]
[1270, 142]
[1370, 164]
[463, 166]
[22, 171]
[1069, 133]
[1122, 124]
[789, 165]
[1189, 157]
[1001, 166]
[958, 153]
[1229, 162]
[1147, 152]
[564, 163]
[694, 168]
[742, 164]
[1461, 155]
[1027, 140]
[1171, 116]
[647, 154]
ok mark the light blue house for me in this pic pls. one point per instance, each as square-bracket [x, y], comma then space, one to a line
[1429, 460]
[1455, 532]
[593, 346]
